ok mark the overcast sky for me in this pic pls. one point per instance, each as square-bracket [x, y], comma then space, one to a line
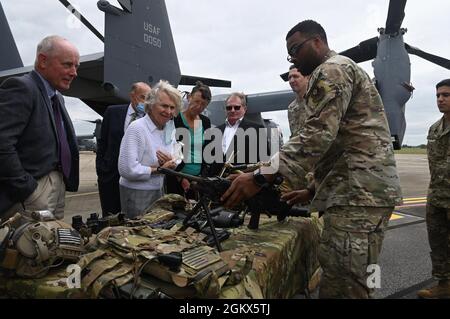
[244, 41]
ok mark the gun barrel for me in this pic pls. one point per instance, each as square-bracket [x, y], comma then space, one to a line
[171, 172]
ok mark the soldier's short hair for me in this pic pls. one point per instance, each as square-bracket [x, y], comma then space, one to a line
[445, 82]
[203, 89]
[309, 28]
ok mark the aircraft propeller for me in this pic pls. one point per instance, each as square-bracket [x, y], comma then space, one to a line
[392, 67]
[367, 50]
[445, 63]
[395, 17]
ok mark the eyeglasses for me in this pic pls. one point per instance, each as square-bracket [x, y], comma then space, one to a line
[294, 50]
[235, 107]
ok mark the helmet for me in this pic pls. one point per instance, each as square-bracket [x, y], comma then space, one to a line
[36, 246]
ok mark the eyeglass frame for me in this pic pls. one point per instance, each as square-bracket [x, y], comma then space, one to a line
[235, 107]
[296, 48]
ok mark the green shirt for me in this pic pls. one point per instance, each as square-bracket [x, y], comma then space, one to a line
[193, 161]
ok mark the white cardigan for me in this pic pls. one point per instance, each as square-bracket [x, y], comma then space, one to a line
[138, 152]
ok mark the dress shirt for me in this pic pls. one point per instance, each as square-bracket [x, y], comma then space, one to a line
[228, 134]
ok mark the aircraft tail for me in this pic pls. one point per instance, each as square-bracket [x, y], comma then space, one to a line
[9, 55]
[138, 44]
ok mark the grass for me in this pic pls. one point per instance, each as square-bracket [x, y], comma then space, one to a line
[411, 150]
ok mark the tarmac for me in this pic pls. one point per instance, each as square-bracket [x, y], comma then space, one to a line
[86, 200]
[404, 262]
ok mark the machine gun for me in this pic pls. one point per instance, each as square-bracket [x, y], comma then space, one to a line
[212, 188]
[208, 189]
[268, 201]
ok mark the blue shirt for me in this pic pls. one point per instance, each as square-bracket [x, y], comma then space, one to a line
[50, 90]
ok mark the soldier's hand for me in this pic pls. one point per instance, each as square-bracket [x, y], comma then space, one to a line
[297, 197]
[243, 187]
[232, 177]
[185, 184]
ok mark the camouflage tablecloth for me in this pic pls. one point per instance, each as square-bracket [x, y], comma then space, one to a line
[284, 257]
[275, 261]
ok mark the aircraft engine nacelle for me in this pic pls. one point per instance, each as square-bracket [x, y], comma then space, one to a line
[393, 74]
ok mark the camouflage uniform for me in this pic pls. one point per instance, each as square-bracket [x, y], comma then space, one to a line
[296, 115]
[438, 208]
[346, 142]
[297, 118]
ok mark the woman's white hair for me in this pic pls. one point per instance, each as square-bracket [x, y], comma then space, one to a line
[153, 97]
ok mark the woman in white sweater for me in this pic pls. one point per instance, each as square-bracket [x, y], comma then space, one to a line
[147, 144]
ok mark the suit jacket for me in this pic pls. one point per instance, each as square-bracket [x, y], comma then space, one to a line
[28, 139]
[108, 147]
[245, 124]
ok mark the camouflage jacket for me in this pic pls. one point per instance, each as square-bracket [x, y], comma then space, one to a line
[439, 161]
[296, 115]
[345, 140]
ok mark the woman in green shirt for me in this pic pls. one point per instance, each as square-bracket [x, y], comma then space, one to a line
[195, 124]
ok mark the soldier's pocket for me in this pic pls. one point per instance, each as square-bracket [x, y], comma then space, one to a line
[358, 257]
[342, 251]
[375, 241]
[436, 149]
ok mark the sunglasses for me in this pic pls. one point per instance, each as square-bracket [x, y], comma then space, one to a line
[230, 107]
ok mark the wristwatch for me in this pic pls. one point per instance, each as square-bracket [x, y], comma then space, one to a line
[259, 179]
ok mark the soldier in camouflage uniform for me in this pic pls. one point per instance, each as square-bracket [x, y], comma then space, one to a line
[297, 118]
[346, 142]
[438, 206]
[296, 110]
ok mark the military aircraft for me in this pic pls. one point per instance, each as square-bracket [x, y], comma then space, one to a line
[392, 71]
[88, 142]
[392, 67]
[104, 78]
[138, 46]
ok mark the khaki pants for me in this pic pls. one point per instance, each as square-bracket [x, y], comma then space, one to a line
[351, 241]
[48, 195]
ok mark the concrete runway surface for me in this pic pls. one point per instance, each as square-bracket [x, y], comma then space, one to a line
[405, 262]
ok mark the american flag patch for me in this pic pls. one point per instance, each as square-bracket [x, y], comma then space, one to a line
[67, 236]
